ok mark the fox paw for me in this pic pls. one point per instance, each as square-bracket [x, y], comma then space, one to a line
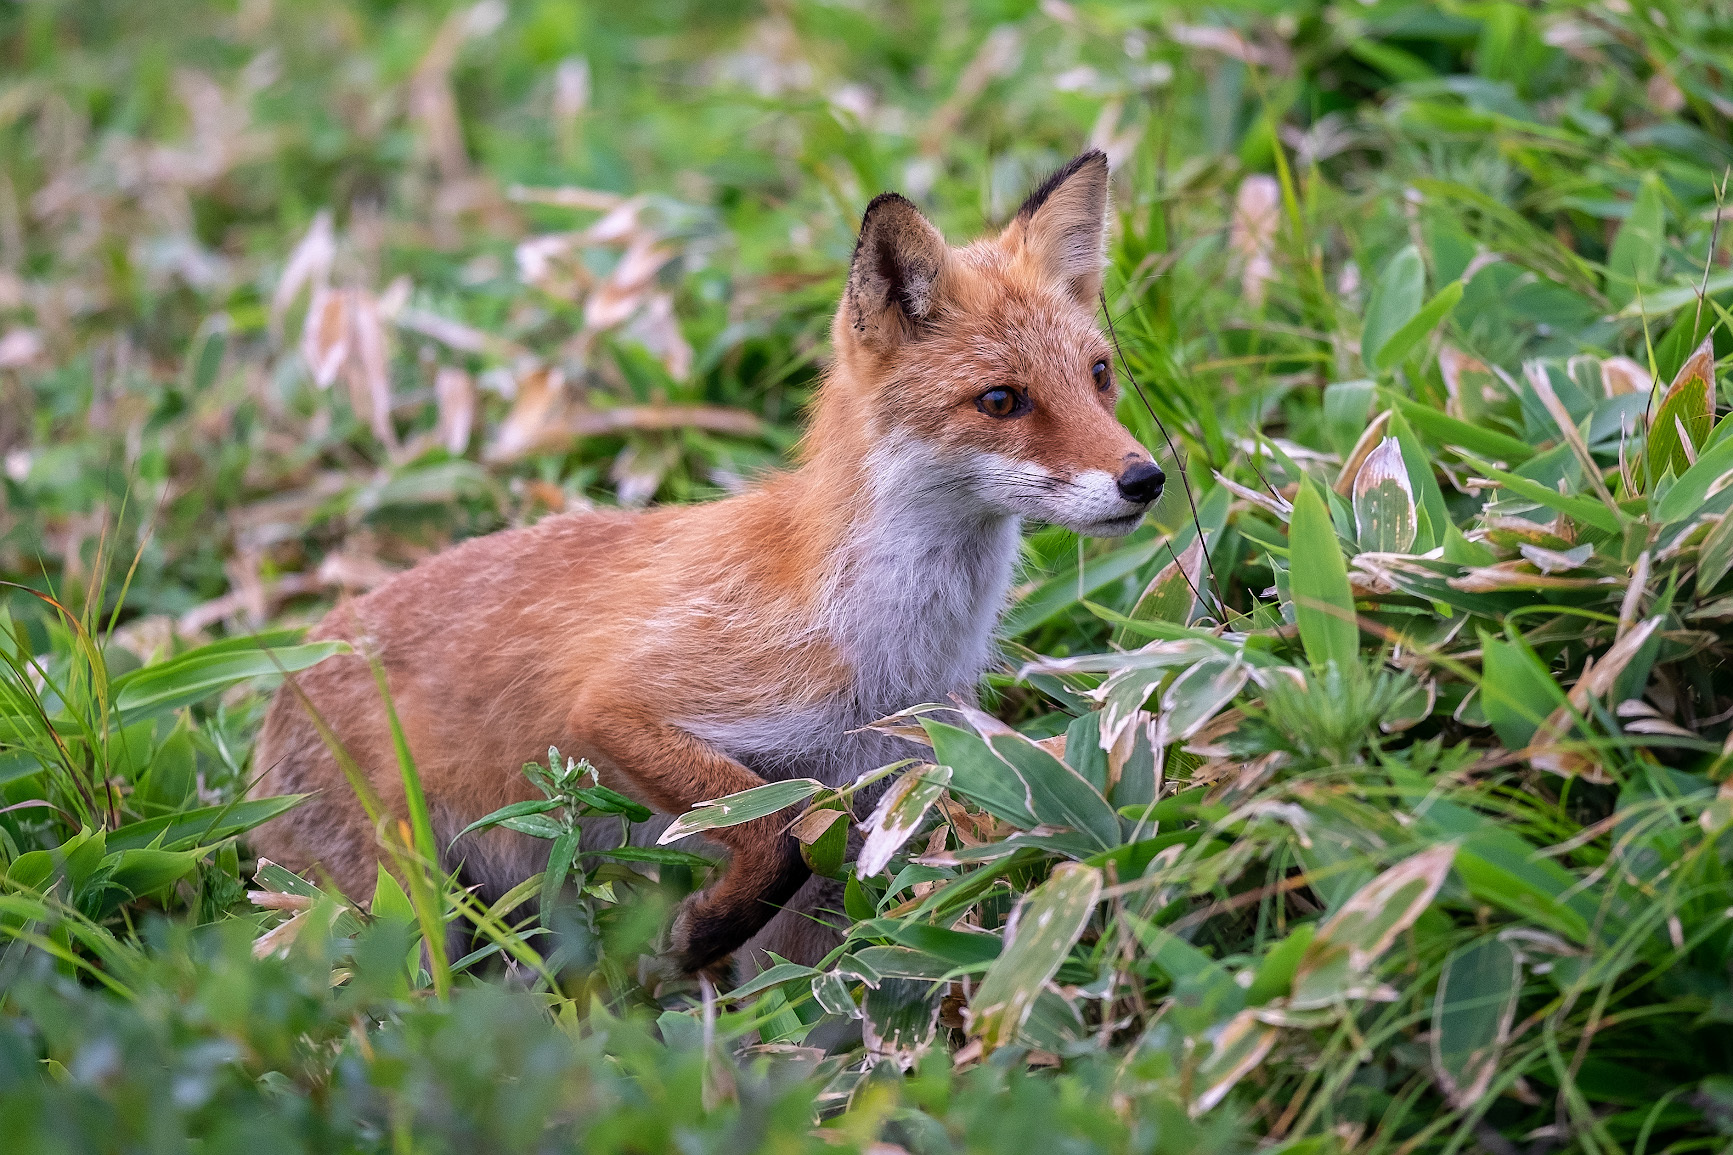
[693, 947]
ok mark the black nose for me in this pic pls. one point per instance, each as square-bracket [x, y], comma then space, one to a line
[1142, 482]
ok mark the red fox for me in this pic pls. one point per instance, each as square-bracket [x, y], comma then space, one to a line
[695, 651]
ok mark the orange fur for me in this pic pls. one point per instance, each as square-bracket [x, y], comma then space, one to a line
[692, 652]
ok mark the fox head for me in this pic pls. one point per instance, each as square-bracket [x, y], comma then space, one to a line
[982, 370]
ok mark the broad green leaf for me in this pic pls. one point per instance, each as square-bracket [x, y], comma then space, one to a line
[1686, 497]
[900, 1020]
[1172, 593]
[1685, 413]
[1584, 509]
[1236, 1047]
[1516, 691]
[855, 901]
[534, 825]
[1060, 592]
[956, 947]
[775, 976]
[1471, 1017]
[1503, 869]
[1199, 694]
[1083, 752]
[512, 810]
[142, 872]
[1275, 977]
[199, 673]
[903, 962]
[1347, 405]
[1635, 258]
[899, 814]
[1418, 326]
[1432, 515]
[822, 833]
[1446, 430]
[1318, 579]
[172, 774]
[1715, 555]
[1204, 991]
[1058, 795]
[1054, 1023]
[1677, 297]
[605, 801]
[203, 826]
[560, 858]
[1395, 299]
[746, 806]
[1353, 938]
[980, 775]
[1384, 513]
[1047, 926]
[271, 876]
[831, 992]
[389, 900]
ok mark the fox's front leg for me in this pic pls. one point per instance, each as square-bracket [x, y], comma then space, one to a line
[675, 771]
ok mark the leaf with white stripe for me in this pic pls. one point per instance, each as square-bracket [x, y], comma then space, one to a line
[899, 814]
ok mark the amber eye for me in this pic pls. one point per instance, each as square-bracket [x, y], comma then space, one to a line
[1103, 375]
[1000, 402]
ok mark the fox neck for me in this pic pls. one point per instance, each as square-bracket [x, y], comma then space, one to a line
[917, 580]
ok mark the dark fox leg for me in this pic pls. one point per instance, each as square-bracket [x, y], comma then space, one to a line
[675, 772]
[713, 924]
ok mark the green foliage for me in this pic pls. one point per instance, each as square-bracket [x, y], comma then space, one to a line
[1371, 796]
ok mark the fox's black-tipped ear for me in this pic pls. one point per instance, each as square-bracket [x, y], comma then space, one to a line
[1064, 225]
[893, 283]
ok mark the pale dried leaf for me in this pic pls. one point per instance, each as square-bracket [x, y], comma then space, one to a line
[325, 335]
[454, 389]
[1237, 1046]
[1252, 235]
[20, 347]
[309, 266]
[1550, 561]
[1369, 440]
[369, 367]
[1621, 375]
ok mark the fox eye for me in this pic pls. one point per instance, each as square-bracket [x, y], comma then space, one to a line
[1001, 402]
[1102, 374]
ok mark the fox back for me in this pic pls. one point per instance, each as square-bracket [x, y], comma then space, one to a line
[693, 652]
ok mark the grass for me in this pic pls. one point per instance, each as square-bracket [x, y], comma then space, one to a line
[1390, 812]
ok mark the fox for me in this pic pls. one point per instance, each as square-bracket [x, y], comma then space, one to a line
[694, 651]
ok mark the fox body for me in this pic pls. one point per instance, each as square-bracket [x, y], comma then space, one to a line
[693, 652]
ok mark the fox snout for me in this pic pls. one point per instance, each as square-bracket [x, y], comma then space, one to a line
[1141, 482]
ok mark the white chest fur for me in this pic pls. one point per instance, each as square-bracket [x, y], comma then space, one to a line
[911, 601]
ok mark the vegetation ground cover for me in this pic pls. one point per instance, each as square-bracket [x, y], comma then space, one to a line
[1371, 798]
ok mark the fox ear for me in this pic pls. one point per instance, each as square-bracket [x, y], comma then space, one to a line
[1064, 225]
[893, 282]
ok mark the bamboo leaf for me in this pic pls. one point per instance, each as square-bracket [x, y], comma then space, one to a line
[899, 814]
[746, 806]
[1635, 258]
[1429, 317]
[197, 674]
[1047, 926]
[1680, 429]
[1323, 602]
[1395, 299]
[1471, 1018]
[1363, 928]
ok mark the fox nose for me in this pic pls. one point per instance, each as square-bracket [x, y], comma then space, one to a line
[1142, 482]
